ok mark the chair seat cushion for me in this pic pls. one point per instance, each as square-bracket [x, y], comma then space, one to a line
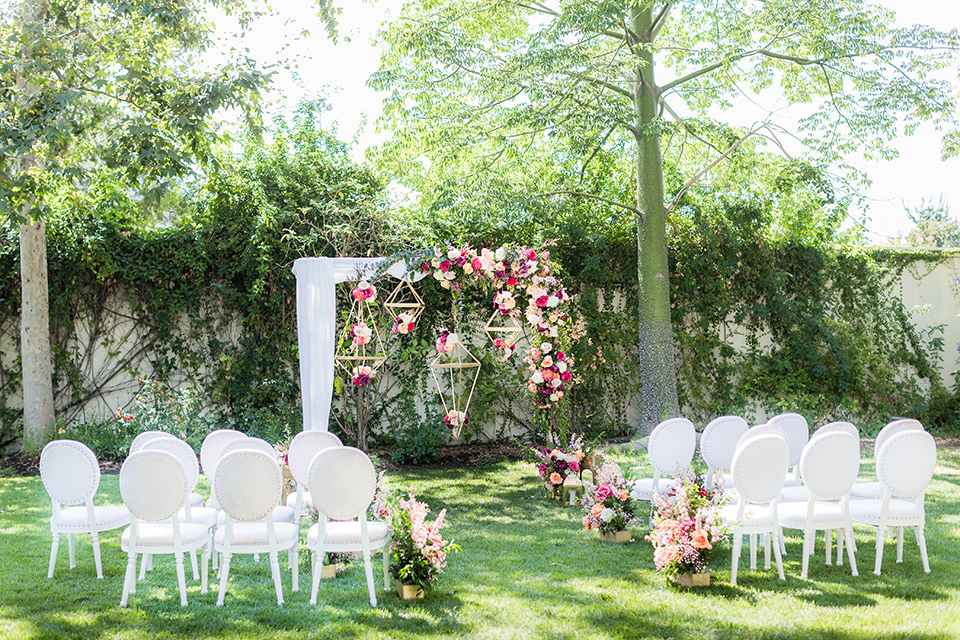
[754, 516]
[868, 490]
[196, 500]
[903, 512]
[199, 515]
[280, 514]
[794, 494]
[793, 515]
[338, 533]
[643, 488]
[154, 534]
[106, 516]
[254, 534]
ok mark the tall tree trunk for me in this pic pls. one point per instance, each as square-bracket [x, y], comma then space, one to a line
[38, 409]
[657, 366]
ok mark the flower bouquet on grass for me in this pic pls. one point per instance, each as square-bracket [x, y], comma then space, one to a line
[556, 463]
[610, 508]
[686, 528]
[419, 552]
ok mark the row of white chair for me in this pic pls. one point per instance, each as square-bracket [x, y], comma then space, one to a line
[672, 444]
[163, 515]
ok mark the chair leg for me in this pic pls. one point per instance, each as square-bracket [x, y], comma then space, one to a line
[385, 552]
[922, 543]
[776, 552]
[181, 579]
[193, 564]
[95, 540]
[54, 547]
[735, 556]
[806, 553]
[129, 578]
[767, 538]
[848, 533]
[753, 552]
[72, 549]
[275, 572]
[317, 568]
[224, 575]
[368, 568]
[145, 560]
[899, 544]
[881, 534]
[828, 545]
[205, 569]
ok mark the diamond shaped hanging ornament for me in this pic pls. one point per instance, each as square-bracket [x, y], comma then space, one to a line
[504, 331]
[360, 350]
[455, 370]
[404, 306]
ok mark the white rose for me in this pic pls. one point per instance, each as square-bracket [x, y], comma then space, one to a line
[562, 366]
[533, 318]
[553, 332]
[500, 254]
[546, 347]
[607, 514]
[553, 301]
[537, 378]
[453, 254]
[452, 339]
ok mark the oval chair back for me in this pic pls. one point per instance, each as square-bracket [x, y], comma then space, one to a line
[762, 430]
[303, 448]
[839, 425]
[759, 467]
[210, 449]
[671, 446]
[342, 482]
[146, 436]
[248, 484]
[255, 444]
[69, 471]
[718, 443]
[893, 428]
[830, 464]
[906, 463]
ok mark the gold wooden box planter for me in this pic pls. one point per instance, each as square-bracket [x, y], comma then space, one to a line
[328, 571]
[618, 537]
[688, 579]
[409, 591]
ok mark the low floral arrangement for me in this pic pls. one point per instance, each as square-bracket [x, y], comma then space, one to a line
[686, 526]
[403, 323]
[608, 503]
[361, 375]
[364, 292]
[419, 552]
[556, 463]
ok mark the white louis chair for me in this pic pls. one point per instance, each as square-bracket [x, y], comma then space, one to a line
[798, 433]
[191, 510]
[670, 448]
[303, 448]
[281, 513]
[871, 490]
[154, 487]
[838, 425]
[343, 481]
[828, 467]
[905, 465]
[759, 468]
[71, 475]
[248, 485]
[718, 443]
[210, 454]
[146, 436]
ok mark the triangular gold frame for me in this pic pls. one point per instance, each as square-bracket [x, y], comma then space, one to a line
[404, 298]
[509, 330]
[457, 367]
[371, 354]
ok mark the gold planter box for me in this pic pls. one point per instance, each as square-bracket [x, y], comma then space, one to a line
[329, 571]
[619, 536]
[691, 579]
[409, 591]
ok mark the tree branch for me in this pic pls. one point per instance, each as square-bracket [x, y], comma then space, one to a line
[592, 196]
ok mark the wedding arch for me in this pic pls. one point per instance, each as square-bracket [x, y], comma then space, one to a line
[528, 300]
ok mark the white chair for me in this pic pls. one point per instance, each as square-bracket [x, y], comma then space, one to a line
[839, 425]
[71, 475]
[871, 490]
[303, 448]
[154, 487]
[800, 493]
[670, 448]
[343, 481]
[828, 467]
[718, 443]
[146, 436]
[759, 468]
[281, 513]
[191, 510]
[798, 433]
[210, 453]
[248, 485]
[905, 465]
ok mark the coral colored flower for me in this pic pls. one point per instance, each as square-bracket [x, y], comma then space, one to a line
[555, 478]
[700, 540]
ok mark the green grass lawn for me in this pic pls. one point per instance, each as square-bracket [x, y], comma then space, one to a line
[527, 569]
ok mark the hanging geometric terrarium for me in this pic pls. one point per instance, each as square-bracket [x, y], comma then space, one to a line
[455, 370]
[359, 350]
[404, 306]
[504, 332]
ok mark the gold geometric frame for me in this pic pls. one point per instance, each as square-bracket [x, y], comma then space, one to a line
[509, 330]
[404, 298]
[371, 354]
[458, 369]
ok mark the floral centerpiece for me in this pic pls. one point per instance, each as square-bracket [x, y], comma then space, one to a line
[556, 462]
[610, 508]
[686, 526]
[419, 552]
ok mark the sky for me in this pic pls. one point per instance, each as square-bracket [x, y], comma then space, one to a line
[339, 73]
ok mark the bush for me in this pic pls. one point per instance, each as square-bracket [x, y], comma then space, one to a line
[421, 444]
